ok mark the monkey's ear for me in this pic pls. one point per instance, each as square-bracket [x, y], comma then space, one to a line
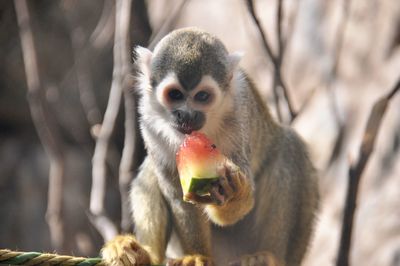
[143, 57]
[234, 60]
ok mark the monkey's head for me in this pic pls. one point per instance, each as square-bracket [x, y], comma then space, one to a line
[187, 81]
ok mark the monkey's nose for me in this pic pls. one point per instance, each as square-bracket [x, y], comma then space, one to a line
[182, 117]
[188, 121]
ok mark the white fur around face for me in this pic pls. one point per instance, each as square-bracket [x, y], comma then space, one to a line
[222, 103]
[144, 57]
[207, 83]
[170, 81]
[158, 131]
[157, 125]
[156, 114]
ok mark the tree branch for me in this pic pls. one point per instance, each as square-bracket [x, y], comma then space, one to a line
[121, 69]
[133, 151]
[276, 60]
[46, 129]
[167, 25]
[279, 15]
[337, 54]
[103, 31]
[250, 7]
[278, 63]
[87, 96]
[356, 171]
[127, 164]
[291, 25]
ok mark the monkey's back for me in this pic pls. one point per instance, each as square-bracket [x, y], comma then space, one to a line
[286, 191]
[281, 222]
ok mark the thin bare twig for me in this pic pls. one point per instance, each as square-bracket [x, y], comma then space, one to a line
[99, 38]
[85, 86]
[268, 49]
[276, 60]
[167, 25]
[356, 171]
[278, 63]
[127, 164]
[45, 127]
[341, 30]
[305, 103]
[133, 152]
[279, 20]
[275, 92]
[103, 31]
[267, 46]
[97, 197]
[83, 50]
[337, 54]
[285, 42]
[279, 59]
[291, 25]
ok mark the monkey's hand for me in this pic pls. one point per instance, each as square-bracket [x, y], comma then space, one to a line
[191, 260]
[257, 259]
[230, 199]
[124, 250]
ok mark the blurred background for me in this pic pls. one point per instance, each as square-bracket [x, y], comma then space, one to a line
[60, 60]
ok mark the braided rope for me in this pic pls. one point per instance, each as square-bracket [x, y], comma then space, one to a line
[36, 258]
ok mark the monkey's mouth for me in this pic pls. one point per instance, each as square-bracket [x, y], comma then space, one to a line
[185, 128]
[188, 121]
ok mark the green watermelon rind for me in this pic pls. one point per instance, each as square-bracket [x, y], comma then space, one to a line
[201, 186]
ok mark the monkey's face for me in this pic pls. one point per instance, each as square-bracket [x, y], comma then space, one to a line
[189, 109]
[187, 81]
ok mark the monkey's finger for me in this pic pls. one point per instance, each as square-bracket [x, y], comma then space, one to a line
[241, 178]
[234, 175]
[138, 257]
[172, 262]
[225, 179]
[229, 178]
[192, 197]
[127, 260]
[134, 255]
[217, 195]
[225, 188]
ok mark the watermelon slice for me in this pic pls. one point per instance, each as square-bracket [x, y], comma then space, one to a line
[198, 160]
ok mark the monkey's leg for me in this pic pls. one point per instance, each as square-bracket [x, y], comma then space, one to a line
[193, 230]
[151, 220]
[150, 213]
[124, 250]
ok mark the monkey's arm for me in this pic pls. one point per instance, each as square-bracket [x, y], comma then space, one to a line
[152, 225]
[239, 199]
[150, 212]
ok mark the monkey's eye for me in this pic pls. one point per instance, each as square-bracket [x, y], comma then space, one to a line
[202, 96]
[175, 95]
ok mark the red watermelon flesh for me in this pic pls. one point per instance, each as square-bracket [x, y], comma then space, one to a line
[198, 160]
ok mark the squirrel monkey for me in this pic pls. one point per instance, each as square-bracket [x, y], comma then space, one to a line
[263, 215]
